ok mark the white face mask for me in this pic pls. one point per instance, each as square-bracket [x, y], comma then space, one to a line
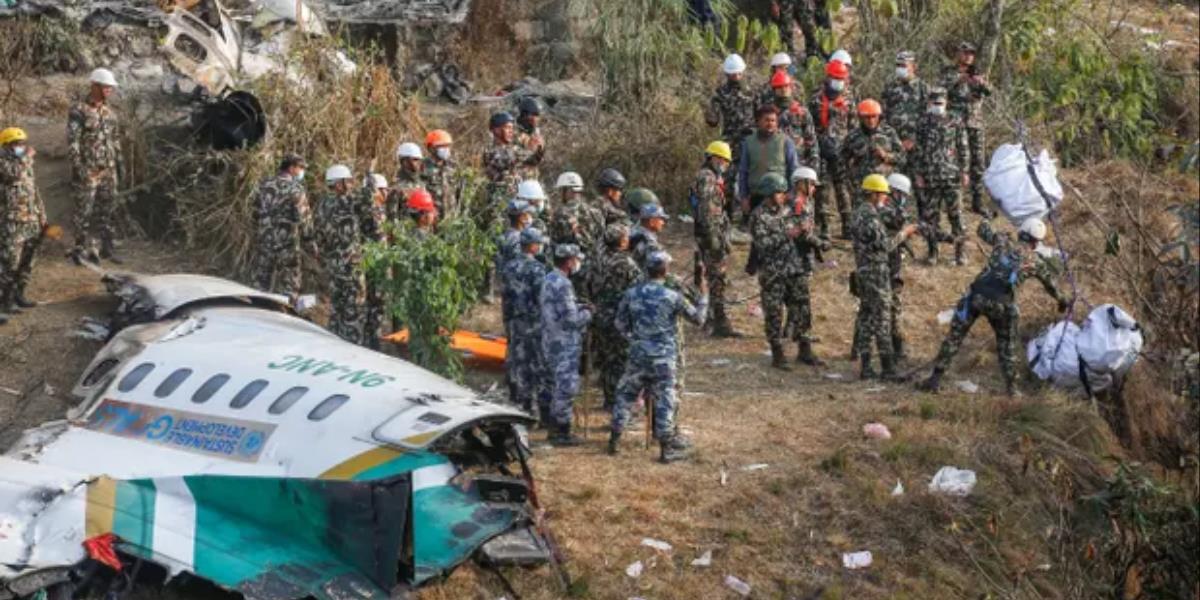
[902, 72]
[300, 175]
[837, 85]
[576, 266]
[18, 151]
[442, 152]
[937, 109]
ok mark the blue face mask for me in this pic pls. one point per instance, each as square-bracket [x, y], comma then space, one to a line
[18, 151]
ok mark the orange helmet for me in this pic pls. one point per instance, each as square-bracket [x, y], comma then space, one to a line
[438, 137]
[836, 70]
[869, 108]
[419, 200]
[781, 79]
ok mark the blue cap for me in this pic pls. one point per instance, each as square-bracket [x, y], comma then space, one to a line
[530, 235]
[499, 119]
[566, 251]
[653, 211]
[658, 259]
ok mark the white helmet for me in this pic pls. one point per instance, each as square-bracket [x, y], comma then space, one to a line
[378, 181]
[804, 174]
[409, 150]
[337, 173]
[899, 182]
[530, 189]
[733, 65]
[781, 59]
[570, 180]
[1034, 228]
[842, 56]
[103, 77]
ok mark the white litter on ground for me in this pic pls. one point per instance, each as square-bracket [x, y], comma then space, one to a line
[737, 585]
[967, 387]
[659, 545]
[953, 481]
[704, 560]
[857, 560]
[635, 570]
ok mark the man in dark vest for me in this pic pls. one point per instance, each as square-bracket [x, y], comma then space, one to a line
[767, 151]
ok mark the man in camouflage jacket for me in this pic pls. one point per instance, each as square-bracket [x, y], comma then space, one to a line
[967, 88]
[732, 107]
[344, 223]
[616, 273]
[832, 112]
[904, 100]
[564, 322]
[712, 229]
[22, 220]
[774, 228]
[284, 223]
[524, 362]
[939, 166]
[94, 149]
[872, 147]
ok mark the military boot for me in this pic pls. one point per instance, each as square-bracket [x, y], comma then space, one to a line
[889, 373]
[778, 360]
[933, 384]
[543, 417]
[107, 252]
[722, 328]
[562, 436]
[931, 256]
[614, 443]
[5, 311]
[960, 253]
[21, 301]
[898, 348]
[867, 371]
[846, 234]
[806, 355]
[671, 450]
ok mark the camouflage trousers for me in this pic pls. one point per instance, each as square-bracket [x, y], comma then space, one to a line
[564, 385]
[716, 272]
[788, 293]
[347, 296]
[873, 324]
[375, 310]
[18, 250]
[1004, 318]
[833, 193]
[933, 200]
[804, 14]
[856, 347]
[731, 176]
[975, 146]
[277, 270]
[611, 351]
[95, 211]
[524, 366]
[654, 375]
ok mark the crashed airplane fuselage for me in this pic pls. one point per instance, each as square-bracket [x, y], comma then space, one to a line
[218, 434]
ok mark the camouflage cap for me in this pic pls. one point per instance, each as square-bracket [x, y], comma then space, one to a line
[937, 94]
[658, 259]
[967, 47]
[567, 251]
[905, 57]
[613, 233]
[531, 235]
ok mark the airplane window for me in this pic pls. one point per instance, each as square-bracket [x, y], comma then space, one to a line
[327, 406]
[134, 377]
[172, 382]
[248, 393]
[286, 400]
[209, 388]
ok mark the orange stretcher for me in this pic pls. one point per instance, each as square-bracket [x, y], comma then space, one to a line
[480, 350]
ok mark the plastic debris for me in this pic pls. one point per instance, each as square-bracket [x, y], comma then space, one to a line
[953, 481]
[1009, 181]
[704, 560]
[755, 467]
[659, 545]
[685, 219]
[899, 489]
[635, 570]
[305, 302]
[724, 477]
[877, 431]
[967, 387]
[719, 362]
[737, 585]
[857, 560]
[875, 389]
[945, 316]
[833, 376]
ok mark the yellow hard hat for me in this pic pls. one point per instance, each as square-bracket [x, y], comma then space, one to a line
[876, 183]
[719, 149]
[12, 134]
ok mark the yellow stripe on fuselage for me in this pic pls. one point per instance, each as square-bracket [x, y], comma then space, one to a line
[354, 465]
[101, 504]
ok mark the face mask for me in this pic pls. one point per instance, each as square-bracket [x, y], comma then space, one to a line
[19, 151]
[835, 86]
[442, 152]
[902, 72]
[300, 175]
[576, 266]
[937, 109]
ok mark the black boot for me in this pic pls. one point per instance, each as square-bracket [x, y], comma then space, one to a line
[671, 450]
[931, 256]
[21, 301]
[722, 328]
[778, 361]
[806, 355]
[898, 349]
[107, 253]
[562, 436]
[889, 369]
[544, 418]
[614, 443]
[5, 311]
[960, 253]
[933, 384]
[867, 371]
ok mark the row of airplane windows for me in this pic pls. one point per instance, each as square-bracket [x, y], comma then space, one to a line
[240, 400]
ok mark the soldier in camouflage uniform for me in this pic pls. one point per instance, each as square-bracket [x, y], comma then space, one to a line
[872, 147]
[283, 220]
[503, 163]
[648, 316]
[508, 250]
[966, 89]
[564, 321]
[732, 107]
[423, 213]
[611, 186]
[441, 173]
[872, 278]
[95, 153]
[809, 248]
[22, 220]
[616, 273]
[376, 302]
[529, 135]
[410, 176]
[790, 13]
[904, 100]
[344, 223]
[939, 165]
[896, 214]
[643, 238]
[775, 230]
[712, 231]
[524, 362]
[831, 110]
[795, 121]
[993, 295]
[574, 222]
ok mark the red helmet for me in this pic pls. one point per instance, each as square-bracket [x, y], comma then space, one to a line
[869, 108]
[419, 200]
[837, 70]
[781, 79]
